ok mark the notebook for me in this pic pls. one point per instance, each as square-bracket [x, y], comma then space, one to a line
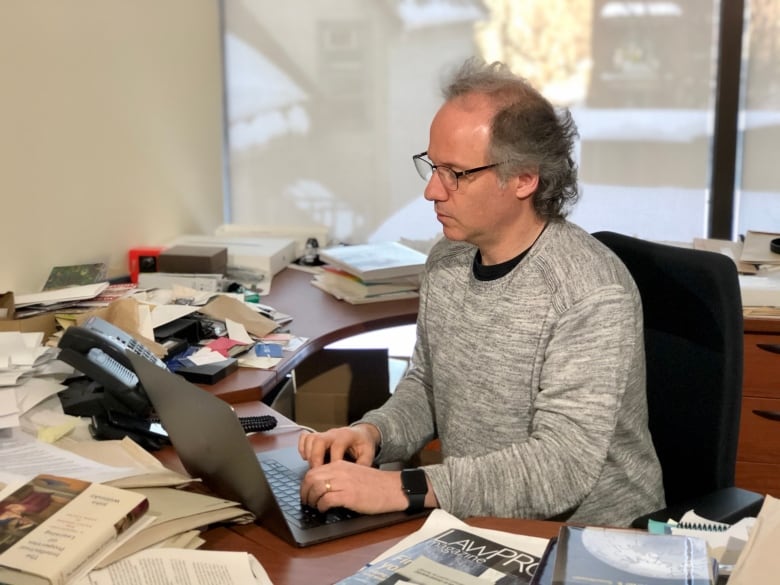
[212, 446]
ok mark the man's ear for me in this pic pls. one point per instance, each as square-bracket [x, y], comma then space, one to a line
[526, 185]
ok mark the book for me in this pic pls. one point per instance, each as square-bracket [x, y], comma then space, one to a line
[342, 284]
[376, 261]
[613, 555]
[355, 300]
[448, 556]
[543, 573]
[53, 528]
[62, 276]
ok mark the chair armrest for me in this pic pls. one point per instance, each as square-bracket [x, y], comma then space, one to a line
[725, 505]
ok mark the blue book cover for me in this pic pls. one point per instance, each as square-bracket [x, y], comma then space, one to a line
[613, 556]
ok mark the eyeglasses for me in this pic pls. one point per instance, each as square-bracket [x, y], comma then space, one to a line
[449, 177]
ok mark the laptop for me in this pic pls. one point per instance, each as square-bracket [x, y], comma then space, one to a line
[213, 446]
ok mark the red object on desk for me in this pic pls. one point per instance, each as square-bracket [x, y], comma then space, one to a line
[142, 260]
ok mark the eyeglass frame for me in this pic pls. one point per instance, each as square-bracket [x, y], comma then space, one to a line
[456, 174]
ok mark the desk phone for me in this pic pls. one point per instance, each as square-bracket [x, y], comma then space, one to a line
[97, 349]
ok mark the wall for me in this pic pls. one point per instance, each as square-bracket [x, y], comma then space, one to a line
[110, 131]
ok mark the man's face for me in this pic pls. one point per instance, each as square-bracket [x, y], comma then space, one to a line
[481, 210]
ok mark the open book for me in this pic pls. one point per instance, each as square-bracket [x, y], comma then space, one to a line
[182, 566]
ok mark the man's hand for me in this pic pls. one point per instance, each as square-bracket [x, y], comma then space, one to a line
[357, 442]
[357, 487]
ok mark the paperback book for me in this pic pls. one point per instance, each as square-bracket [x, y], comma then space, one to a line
[613, 556]
[377, 261]
[454, 556]
[53, 528]
[358, 300]
[343, 285]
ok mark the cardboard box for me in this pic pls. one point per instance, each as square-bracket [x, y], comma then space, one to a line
[335, 387]
[42, 322]
[193, 260]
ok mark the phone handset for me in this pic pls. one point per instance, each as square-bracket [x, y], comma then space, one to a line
[97, 349]
[112, 367]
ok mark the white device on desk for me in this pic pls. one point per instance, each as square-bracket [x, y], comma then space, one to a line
[266, 255]
[300, 234]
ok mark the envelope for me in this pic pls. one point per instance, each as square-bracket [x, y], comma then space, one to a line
[224, 307]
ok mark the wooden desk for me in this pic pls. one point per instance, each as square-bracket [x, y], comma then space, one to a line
[321, 319]
[330, 561]
[758, 454]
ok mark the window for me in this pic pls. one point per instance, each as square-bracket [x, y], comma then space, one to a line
[758, 179]
[327, 102]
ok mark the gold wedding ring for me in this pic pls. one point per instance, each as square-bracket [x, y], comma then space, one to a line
[327, 487]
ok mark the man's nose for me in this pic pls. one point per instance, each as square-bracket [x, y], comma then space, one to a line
[434, 190]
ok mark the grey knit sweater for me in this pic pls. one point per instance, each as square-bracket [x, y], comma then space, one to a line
[535, 384]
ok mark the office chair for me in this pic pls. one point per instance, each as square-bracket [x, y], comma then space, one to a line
[693, 349]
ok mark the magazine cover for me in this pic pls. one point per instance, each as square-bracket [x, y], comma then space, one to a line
[434, 559]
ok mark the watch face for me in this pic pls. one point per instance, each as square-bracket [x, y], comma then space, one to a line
[414, 481]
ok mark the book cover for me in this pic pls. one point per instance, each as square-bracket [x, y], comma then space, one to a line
[63, 276]
[613, 556]
[376, 261]
[451, 553]
[52, 527]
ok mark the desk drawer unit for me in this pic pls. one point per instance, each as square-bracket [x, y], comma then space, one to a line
[758, 455]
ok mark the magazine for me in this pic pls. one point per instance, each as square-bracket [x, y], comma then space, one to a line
[457, 555]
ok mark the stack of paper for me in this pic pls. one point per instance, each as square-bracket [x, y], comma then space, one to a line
[25, 374]
[179, 516]
[346, 286]
[371, 272]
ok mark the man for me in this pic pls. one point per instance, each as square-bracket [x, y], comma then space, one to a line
[529, 361]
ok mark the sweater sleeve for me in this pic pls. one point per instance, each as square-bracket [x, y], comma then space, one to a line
[406, 420]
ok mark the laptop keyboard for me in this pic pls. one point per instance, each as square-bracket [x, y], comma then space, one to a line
[287, 488]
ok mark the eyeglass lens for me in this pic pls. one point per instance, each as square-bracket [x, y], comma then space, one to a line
[446, 175]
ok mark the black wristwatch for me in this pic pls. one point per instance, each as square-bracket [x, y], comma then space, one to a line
[415, 486]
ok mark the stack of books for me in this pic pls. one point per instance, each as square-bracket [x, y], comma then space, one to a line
[368, 273]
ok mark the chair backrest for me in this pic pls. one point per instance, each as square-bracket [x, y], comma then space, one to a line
[693, 347]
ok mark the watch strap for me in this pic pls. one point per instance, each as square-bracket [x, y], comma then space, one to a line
[415, 485]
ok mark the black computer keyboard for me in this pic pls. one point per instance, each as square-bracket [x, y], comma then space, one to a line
[287, 489]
